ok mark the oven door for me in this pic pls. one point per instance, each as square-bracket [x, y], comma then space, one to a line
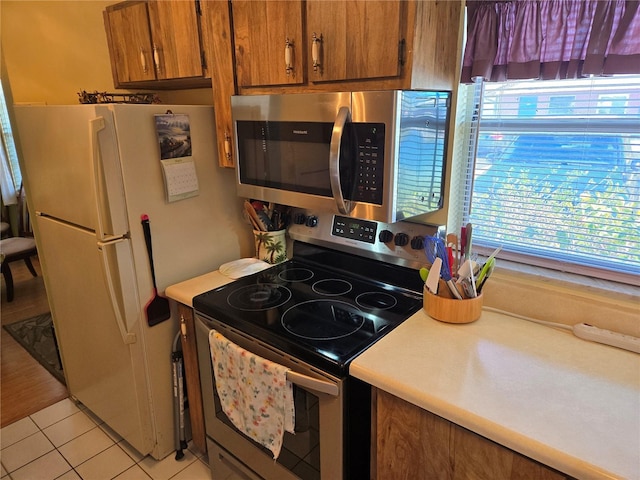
[314, 451]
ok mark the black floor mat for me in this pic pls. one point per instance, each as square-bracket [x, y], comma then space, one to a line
[36, 335]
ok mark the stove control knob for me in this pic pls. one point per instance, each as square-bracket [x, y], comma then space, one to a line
[385, 236]
[417, 243]
[401, 239]
[299, 218]
[312, 221]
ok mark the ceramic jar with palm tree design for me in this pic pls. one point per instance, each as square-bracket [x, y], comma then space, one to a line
[271, 247]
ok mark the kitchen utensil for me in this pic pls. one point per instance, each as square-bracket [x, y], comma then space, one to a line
[465, 270]
[450, 259]
[434, 275]
[158, 308]
[424, 272]
[468, 288]
[487, 267]
[468, 233]
[494, 253]
[466, 278]
[256, 220]
[486, 271]
[250, 219]
[434, 249]
[452, 241]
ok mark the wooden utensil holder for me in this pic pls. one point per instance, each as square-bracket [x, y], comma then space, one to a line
[452, 310]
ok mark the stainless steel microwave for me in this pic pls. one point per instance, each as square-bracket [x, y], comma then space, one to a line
[377, 155]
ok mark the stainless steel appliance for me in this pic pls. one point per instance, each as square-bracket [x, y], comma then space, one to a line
[90, 172]
[377, 155]
[348, 283]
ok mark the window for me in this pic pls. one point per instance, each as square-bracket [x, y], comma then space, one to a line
[10, 176]
[557, 174]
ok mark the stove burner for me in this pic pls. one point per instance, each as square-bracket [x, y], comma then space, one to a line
[331, 287]
[379, 300]
[322, 319]
[295, 274]
[262, 296]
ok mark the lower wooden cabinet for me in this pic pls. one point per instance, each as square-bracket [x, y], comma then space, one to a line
[192, 376]
[411, 443]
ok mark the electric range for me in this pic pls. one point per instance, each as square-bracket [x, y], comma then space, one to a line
[348, 283]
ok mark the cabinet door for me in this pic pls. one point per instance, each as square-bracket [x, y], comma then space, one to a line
[413, 443]
[354, 39]
[192, 376]
[127, 26]
[218, 40]
[176, 39]
[266, 33]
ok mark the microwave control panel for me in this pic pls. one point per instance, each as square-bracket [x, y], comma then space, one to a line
[369, 175]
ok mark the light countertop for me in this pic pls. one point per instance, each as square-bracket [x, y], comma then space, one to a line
[568, 403]
[184, 292]
[565, 402]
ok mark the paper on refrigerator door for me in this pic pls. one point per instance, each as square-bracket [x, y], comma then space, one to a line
[180, 178]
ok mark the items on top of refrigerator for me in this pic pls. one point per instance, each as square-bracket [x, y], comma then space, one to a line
[104, 97]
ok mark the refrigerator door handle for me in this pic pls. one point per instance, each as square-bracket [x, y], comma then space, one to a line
[110, 216]
[129, 305]
[95, 126]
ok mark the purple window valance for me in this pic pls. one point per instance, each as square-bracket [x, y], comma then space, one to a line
[551, 39]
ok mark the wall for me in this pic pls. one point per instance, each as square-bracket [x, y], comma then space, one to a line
[51, 50]
[54, 49]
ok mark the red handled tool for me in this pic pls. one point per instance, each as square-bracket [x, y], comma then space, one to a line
[158, 309]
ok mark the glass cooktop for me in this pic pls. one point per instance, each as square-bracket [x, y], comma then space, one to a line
[323, 306]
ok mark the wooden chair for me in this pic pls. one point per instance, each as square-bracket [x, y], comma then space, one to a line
[12, 249]
[22, 247]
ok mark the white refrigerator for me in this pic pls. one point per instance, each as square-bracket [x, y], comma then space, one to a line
[90, 173]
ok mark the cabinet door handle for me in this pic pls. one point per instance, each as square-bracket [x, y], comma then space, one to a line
[227, 145]
[288, 56]
[315, 51]
[156, 58]
[143, 61]
[183, 327]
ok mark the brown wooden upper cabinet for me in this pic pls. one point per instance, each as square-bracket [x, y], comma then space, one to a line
[310, 45]
[293, 42]
[156, 44]
[355, 40]
[268, 42]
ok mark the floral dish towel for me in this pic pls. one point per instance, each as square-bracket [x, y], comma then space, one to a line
[254, 392]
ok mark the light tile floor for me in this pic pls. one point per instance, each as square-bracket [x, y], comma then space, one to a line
[67, 442]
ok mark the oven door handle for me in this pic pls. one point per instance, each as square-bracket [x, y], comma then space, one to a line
[310, 383]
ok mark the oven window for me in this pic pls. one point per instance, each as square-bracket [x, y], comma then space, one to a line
[300, 452]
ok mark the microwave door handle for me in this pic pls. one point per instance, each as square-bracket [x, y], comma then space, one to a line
[310, 383]
[334, 160]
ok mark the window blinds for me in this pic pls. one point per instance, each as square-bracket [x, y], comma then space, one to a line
[557, 174]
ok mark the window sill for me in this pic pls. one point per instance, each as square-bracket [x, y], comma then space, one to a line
[566, 298]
